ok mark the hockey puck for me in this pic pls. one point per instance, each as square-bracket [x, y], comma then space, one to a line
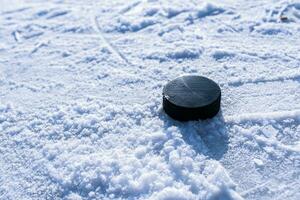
[191, 98]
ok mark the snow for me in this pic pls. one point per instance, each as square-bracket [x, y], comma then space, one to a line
[80, 100]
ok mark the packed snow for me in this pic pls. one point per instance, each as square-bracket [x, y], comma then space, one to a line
[81, 91]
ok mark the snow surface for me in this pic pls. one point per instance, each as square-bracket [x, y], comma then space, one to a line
[80, 99]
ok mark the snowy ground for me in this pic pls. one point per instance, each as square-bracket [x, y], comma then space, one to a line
[80, 99]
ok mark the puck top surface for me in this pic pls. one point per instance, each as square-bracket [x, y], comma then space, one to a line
[191, 91]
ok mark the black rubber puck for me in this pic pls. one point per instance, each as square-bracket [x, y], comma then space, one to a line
[191, 98]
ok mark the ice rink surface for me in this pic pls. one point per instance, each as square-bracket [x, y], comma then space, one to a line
[80, 100]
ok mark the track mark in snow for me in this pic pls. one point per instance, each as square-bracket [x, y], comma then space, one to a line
[256, 117]
[129, 7]
[15, 11]
[57, 14]
[254, 189]
[27, 32]
[110, 45]
[286, 77]
[39, 46]
[16, 35]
